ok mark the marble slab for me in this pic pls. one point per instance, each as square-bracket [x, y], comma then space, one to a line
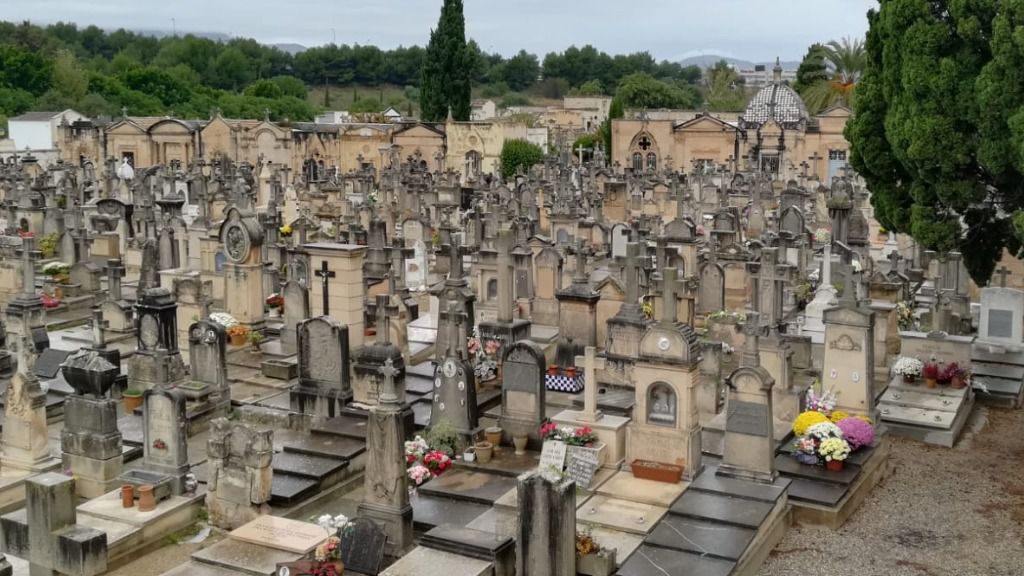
[725, 509]
[625, 486]
[280, 534]
[474, 486]
[701, 537]
[617, 514]
[424, 561]
[244, 557]
[653, 561]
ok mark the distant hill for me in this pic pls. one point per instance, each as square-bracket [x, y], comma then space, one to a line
[292, 49]
[709, 60]
[215, 36]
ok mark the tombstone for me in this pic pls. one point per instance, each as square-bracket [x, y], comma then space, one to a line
[546, 529]
[25, 442]
[455, 384]
[325, 383]
[240, 473]
[1002, 318]
[385, 497]
[523, 391]
[47, 535]
[207, 355]
[711, 298]
[620, 237]
[242, 237]
[749, 449]
[157, 363]
[165, 441]
[296, 300]
[417, 267]
[848, 365]
[364, 546]
[90, 441]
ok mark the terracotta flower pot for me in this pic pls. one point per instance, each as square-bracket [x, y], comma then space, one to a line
[834, 465]
[520, 441]
[484, 450]
[147, 502]
[958, 382]
[493, 435]
[570, 372]
[657, 471]
[553, 370]
[909, 378]
[238, 339]
[127, 496]
[932, 382]
[130, 403]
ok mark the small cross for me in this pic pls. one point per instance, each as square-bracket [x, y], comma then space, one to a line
[590, 364]
[894, 259]
[388, 395]
[325, 276]
[1002, 272]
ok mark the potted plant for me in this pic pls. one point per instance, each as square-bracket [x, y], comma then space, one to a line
[484, 450]
[256, 339]
[238, 334]
[857, 432]
[224, 319]
[48, 244]
[908, 368]
[552, 369]
[285, 231]
[948, 372]
[131, 399]
[930, 371]
[493, 435]
[584, 439]
[960, 378]
[275, 305]
[58, 272]
[834, 452]
[591, 558]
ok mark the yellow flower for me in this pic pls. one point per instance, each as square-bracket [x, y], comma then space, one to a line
[807, 419]
[838, 415]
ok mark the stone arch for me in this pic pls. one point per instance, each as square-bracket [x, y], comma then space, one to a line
[662, 405]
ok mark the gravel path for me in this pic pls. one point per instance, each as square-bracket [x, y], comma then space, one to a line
[943, 512]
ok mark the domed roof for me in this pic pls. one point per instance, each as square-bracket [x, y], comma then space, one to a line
[776, 102]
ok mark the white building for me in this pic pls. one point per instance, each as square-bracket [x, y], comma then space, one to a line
[335, 117]
[483, 110]
[37, 131]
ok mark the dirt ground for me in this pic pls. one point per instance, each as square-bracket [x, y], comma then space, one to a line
[942, 512]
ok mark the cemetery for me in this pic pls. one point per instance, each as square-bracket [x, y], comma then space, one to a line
[602, 362]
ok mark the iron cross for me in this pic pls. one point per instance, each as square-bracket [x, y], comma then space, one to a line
[325, 276]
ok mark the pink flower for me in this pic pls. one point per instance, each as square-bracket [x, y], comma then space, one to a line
[857, 432]
[492, 347]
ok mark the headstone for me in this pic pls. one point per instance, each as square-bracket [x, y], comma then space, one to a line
[1002, 317]
[455, 384]
[523, 390]
[165, 441]
[325, 383]
[749, 451]
[363, 546]
[47, 535]
[581, 467]
[848, 365]
[552, 456]
[417, 267]
[546, 532]
[90, 441]
[240, 473]
[280, 534]
[207, 355]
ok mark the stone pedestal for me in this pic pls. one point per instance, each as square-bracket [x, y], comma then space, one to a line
[25, 442]
[341, 287]
[106, 245]
[241, 473]
[386, 499]
[243, 293]
[611, 430]
[91, 444]
[546, 535]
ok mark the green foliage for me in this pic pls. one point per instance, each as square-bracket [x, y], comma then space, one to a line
[933, 133]
[590, 88]
[521, 71]
[588, 142]
[442, 436]
[69, 79]
[290, 86]
[446, 74]
[48, 244]
[364, 106]
[14, 101]
[519, 153]
[263, 89]
[724, 89]
[813, 68]
[553, 88]
[495, 90]
[27, 71]
[514, 99]
[641, 90]
[578, 66]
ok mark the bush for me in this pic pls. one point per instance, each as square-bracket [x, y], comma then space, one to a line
[442, 436]
[519, 153]
[515, 99]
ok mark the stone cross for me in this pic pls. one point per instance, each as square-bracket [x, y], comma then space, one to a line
[384, 310]
[29, 256]
[115, 272]
[752, 330]
[99, 340]
[632, 279]
[325, 277]
[590, 364]
[581, 251]
[505, 279]
[388, 396]
[399, 253]
[1002, 272]
[455, 266]
[670, 296]
[894, 261]
[455, 318]
[47, 533]
[769, 284]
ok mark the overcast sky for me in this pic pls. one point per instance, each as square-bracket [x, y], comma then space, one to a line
[668, 29]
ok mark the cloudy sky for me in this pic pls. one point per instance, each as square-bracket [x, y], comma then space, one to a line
[668, 29]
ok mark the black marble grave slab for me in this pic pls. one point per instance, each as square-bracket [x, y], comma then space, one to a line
[418, 386]
[286, 488]
[430, 511]
[701, 537]
[654, 561]
[48, 363]
[736, 511]
[463, 484]
[827, 494]
[344, 425]
[306, 465]
[708, 481]
[467, 542]
[328, 446]
[788, 465]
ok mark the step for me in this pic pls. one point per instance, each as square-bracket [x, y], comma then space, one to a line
[288, 488]
[710, 482]
[788, 465]
[648, 560]
[701, 537]
[430, 511]
[309, 466]
[328, 446]
[243, 557]
[722, 509]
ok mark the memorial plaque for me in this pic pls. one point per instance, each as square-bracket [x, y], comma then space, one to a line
[1000, 323]
[748, 418]
[48, 363]
[362, 546]
[281, 534]
[552, 455]
[582, 466]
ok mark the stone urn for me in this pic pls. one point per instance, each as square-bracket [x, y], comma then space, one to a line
[89, 373]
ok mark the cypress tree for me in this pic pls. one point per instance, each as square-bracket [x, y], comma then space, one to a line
[446, 70]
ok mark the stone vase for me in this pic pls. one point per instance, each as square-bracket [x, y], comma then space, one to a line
[602, 564]
[484, 450]
[520, 442]
[493, 435]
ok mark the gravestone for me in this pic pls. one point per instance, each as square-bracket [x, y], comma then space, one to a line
[711, 297]
[325, 383]
[296, 300]
[240, 473]
[386, 499]
[455, 384]
[207, 356]
[523, 391]
[546, 531]
[581, 467]
[362, 547]
[156, 363]
[749, 451]
[417, 267]
[165, 441]
[1002, 318]
[280, 534]
[47, 535]
[90, 441]
[848, 365]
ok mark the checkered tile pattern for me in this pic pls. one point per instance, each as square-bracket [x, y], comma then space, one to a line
[563, 383]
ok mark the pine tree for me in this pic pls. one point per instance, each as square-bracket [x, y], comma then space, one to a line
[446, 70]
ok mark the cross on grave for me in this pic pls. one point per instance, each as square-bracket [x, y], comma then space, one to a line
[1002, 272]
[894, 261]
[769, 284]
[849, 286]
[455, 254]
[325, 277]
[384, 311]
[670, 296]
[29, 255]
[590, 364]
[47, 535]
[399, 254]
[115, 272]
[815, 159]
[99, 340]
[455, 319]
[581, 251]
[633, 264]
[387, 390]
[751, 348]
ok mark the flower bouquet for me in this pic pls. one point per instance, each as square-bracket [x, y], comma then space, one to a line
[807, 419]
[415, 449]
[275, 304]
[824, 402]
[908, 368]
[238, 333]
[834, 451]
[823, 431]
[286, 231]
[437, 462]
[419, 474]
[806, 451]
[224, 319]
[931, 374]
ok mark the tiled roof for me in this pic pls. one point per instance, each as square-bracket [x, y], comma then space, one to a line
[776, 102]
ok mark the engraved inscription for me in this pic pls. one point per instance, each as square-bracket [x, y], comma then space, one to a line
[748, 418]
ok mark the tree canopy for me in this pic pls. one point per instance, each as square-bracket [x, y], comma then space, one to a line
[938, 133]
[446, 72]
[517, 154]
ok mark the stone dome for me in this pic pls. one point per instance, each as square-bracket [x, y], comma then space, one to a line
[776, 101]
